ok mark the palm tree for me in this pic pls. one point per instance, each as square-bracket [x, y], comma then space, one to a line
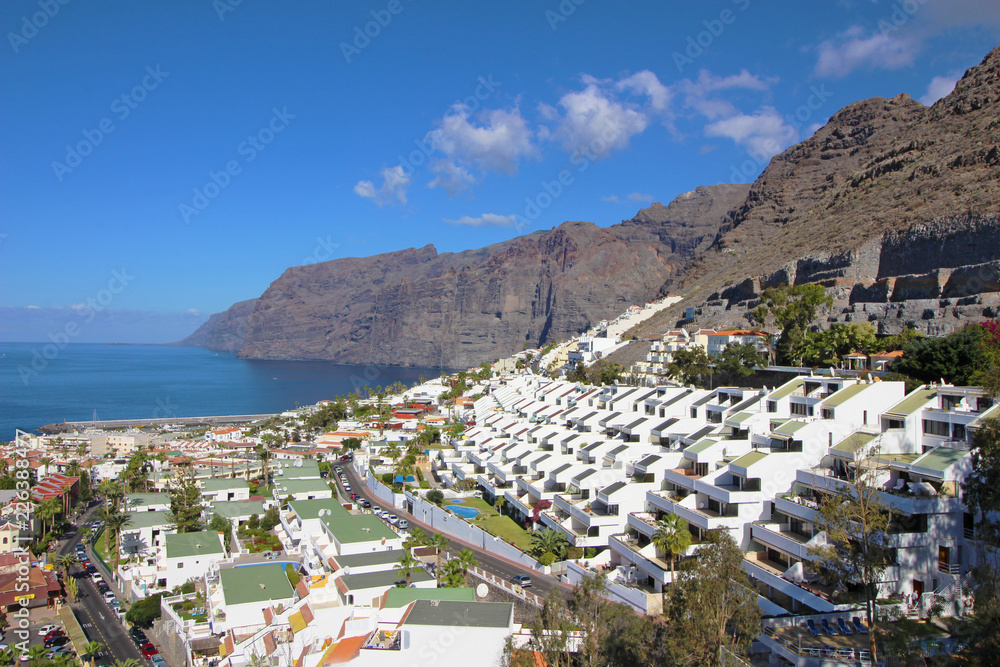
[62, 660]
[127, 662]
[37, 655]
[263, 454]
[91, 649]
[548, 541]
[407, 565]
[466, 559]
[451, 575]
[116, 493]
[499, 503]
[417, 538]
[114, 522]
[64, 562]
[439, 542]
[72, 589]
[672, 536]
[6, 657]
[48, 509]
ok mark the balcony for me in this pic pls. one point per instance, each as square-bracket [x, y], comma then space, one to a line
[644, 558]
[642, 522]
[771, 574]
[780, 537]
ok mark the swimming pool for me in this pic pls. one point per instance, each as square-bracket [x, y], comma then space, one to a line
[465, 512]
[409, 478]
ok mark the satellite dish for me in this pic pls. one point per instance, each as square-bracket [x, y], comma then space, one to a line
[482, 590]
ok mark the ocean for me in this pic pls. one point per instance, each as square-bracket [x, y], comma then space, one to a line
[42, 384]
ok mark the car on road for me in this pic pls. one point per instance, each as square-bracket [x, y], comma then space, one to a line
[98, 578]
[46, 629]
[56, 641]
[376, 510]
[364, 503]
[148, 650]
[346, 457]
[404, 524]
[109, 595]
[354, 496]
[347, 488]
[393, 519]
[522, 580]
[158, 661]
[338, 470]
[55, 633]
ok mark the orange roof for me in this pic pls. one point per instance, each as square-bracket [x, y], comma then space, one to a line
[895, 354]
[739, 332]
[343, 651]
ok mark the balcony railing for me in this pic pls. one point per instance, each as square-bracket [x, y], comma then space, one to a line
[949, 568]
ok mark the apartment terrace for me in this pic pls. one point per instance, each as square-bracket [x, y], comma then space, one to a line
[643, 556]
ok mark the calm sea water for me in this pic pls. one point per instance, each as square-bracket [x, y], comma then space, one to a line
[150, 381]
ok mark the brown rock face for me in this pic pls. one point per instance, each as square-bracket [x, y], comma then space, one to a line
[892, 205]
[225, 331]
[424, 308]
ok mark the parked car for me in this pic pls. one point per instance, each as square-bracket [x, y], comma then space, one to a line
[354, 496]
[46, 629]
[56, 641]
[346, 457]
[55, 633]
[376, 510]
[338, 470]
[158, 661]
[522, 580]
[364, 503]
[404, 524]
[347, 488]
[393, 519]
[148, 650]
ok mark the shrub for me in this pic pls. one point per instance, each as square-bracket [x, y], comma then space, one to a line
[293, 576]
[589, 552]
[386, 478]
[547, 558]
[425, 484]
[435, 496]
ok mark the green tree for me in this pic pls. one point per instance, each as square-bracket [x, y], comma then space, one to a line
[793, 309]
[114, 523]
[712, 604]
[548, 541]
[270, 518]
[64, 562]
[466, 560]
[37, 655]
[958, 358]
[435, 496]
[673, 537]
[856, 522]
[407, 565]
[63, 660]
[690, 365]
[91, 649]
[72, 589]
[738, 361]
[450, 575]
[46, 510]
[144, 611]
[185, 505]
[440, 542]
[6, 657]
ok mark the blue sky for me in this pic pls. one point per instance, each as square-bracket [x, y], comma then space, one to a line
[199, 148]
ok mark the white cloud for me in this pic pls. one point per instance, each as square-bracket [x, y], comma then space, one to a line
[639, 197]
[697, 92]
[498, 144]
[852, 49]
[595, 122]
[487, 220]
[450, 177]
[393, 190]
[940, 86]
[613, 199]
[764, 133]
[647, 83]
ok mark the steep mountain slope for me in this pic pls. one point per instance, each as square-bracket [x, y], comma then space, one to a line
[225, 331]
[892, 204]
[424, 308]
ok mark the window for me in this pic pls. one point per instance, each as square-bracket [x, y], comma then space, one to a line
[958, 431]
[772, 406]
[932, 427]
[895, 423]
[827, 413]
[800, 409]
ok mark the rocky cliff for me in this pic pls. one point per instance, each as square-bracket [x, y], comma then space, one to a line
[225, 331]
[892, 205]
[424, 308]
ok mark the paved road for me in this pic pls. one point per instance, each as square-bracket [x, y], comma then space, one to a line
[542, 584]
[98, 619]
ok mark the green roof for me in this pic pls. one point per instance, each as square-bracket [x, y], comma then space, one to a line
[237, 508]
[135, 500]
[989, 414]
[702, 446]
[916, 400]
[184, 545]
[293, 486]
[786, 389]
[400, 597]
[842, 396]
[358, 528]
[790, 427]
[740, 417]
[255, 584]
[467, 614]
[853, 442]
[310, 509]
[382, 578]
[940, 459]
[137, 520]
[215, 484]
[749, 459]
[309, 468]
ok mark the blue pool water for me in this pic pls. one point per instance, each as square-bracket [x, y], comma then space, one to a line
[465, 512]
[457, 500]
[409, 478]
